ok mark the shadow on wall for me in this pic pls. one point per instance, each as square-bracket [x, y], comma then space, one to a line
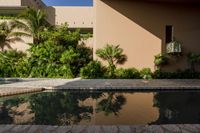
[51, 15]
[154, 17]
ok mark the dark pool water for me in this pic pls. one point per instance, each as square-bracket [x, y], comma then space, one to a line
[101, 108]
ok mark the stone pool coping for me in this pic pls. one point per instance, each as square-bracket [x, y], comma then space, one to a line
[13, 86]
[184, 128]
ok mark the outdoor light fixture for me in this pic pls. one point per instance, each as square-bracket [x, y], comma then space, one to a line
[174, 47]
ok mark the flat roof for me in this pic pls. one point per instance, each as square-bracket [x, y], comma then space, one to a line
[11, 9]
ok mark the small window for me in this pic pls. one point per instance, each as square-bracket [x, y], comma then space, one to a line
[169, 33]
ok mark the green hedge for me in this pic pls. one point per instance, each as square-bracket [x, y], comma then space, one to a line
[92, 70]
[130, 73]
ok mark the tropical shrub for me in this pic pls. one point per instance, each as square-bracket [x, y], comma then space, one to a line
[10, 63]
[92, 70]
[193, 59]
[161, 59]
[58, 55]
[130, 73]
[146, 73]
[33, 22]
[113, 55]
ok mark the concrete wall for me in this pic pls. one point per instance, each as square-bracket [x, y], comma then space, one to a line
[76, 17]
[139, 28]
[10, 2]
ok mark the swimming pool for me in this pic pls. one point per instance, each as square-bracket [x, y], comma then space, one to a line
[101, 108]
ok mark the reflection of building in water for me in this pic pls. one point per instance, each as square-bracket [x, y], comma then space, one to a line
[22, 113]
[138, 109]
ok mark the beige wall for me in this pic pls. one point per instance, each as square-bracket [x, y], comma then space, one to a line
[139, 28]
[10, 2]
[76, 17]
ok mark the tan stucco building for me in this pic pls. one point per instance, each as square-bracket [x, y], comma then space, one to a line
[140, 27]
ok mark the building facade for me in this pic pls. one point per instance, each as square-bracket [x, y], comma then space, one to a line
[141, 27]
[75, 17]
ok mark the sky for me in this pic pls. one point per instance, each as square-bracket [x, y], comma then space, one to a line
[68, 2]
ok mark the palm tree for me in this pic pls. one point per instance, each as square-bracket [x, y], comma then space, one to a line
[113, 55]
[9, 34]
[33, 22]
[112, 104]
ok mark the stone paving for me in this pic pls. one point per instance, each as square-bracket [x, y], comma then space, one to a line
[100, 129]
[14, 91]
[11, 86]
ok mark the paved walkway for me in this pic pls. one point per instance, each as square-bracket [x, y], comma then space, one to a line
[18, 86]
[100, 129]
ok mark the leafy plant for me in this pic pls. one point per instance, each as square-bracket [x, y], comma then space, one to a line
[92, 70]
[10, 63]
[161, 59]
[113, 55]
[130, 73]
[33, 22]
[146, 73]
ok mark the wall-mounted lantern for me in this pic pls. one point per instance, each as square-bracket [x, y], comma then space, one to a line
[174, 47]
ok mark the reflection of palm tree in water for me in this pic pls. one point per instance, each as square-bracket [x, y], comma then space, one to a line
[62, 108]
[111, 104]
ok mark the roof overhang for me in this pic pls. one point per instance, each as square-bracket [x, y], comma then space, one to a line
[11, 9]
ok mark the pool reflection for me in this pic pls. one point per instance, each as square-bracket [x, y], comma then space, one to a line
[108, 108]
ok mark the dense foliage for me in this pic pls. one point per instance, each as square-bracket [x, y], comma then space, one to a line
[58, 55]
[130, 73]
[92, 70]
[11, 63]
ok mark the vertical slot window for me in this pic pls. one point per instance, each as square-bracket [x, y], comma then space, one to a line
[169, 33]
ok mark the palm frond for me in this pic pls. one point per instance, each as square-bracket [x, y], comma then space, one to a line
[19, 34]
[21, 25]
